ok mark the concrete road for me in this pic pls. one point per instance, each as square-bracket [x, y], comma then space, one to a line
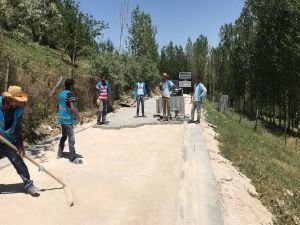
[154, 174]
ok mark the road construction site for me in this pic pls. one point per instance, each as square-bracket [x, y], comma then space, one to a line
[135, 171]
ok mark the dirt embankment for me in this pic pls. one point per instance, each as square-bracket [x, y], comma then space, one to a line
[238, 195]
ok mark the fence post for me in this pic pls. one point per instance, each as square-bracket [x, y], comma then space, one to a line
[285, 134]
[255, 127]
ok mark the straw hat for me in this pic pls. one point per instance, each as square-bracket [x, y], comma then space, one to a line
[17, 93]
[165, 75]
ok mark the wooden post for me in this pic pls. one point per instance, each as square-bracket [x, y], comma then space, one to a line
[297, 137]
[255, 127]
[285, 134]
[6, 74]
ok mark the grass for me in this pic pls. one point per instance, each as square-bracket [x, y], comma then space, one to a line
[40, 54]
[273, 168]
[37, 69]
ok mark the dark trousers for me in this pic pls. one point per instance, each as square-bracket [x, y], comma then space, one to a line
[67, 132]
[102, 114]
[18, 163]
[139, 100]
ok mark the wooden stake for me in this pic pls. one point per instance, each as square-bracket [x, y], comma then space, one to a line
[255, 128]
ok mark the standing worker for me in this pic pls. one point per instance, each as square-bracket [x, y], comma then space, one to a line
[140, 93]
[166, 87]
[11, 116]
[103, 90]
[199, 93]
[67, 116]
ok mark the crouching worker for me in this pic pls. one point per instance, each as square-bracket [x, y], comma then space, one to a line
[67, 116]
[11, 114]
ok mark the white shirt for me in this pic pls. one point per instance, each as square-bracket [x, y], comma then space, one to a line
[196, 91]
[140, 90]
[165, 91]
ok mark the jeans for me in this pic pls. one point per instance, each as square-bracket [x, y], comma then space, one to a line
[166, 106]
[196, 105]
[102, 114]
[67, 132]
[18, 163]
[139, 99]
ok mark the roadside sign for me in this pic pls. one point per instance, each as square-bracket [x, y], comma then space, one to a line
[185, 83]
[185, 76]
[185, 79]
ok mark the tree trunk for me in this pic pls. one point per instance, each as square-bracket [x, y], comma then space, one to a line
[289, 113]
[73, 58]
[280, 112]
[256, 120]
[6, 74]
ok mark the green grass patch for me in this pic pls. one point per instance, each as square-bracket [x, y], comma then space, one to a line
[273, 168]
[34, 52]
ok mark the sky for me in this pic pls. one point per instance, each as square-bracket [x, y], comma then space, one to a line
[175, 20]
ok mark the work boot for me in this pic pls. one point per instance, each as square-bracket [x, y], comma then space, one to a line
[60, 153]
[32, 190]
[76, 161]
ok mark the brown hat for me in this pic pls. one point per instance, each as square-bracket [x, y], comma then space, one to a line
[17, 93]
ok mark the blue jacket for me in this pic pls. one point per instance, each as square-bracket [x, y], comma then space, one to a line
[99, 85]
[10, 133]
[65, 116]
[136, 86]
[199, 90]
[169, 85]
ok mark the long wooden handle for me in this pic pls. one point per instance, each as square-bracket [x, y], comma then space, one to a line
[32, 161]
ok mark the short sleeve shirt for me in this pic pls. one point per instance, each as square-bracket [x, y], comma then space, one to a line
[70, 98]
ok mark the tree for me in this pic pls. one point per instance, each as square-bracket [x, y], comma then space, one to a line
[257, 60]
[142, 34]
[200, 58]
[106, 46]
[78, 30]
[172, 60]
[189, 54]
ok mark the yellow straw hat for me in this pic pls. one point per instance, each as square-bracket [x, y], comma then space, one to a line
[17, 93]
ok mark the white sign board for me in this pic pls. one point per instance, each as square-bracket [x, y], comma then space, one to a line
[185, 83]
[185, 76]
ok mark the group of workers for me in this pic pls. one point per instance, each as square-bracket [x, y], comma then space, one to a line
[12, 109]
